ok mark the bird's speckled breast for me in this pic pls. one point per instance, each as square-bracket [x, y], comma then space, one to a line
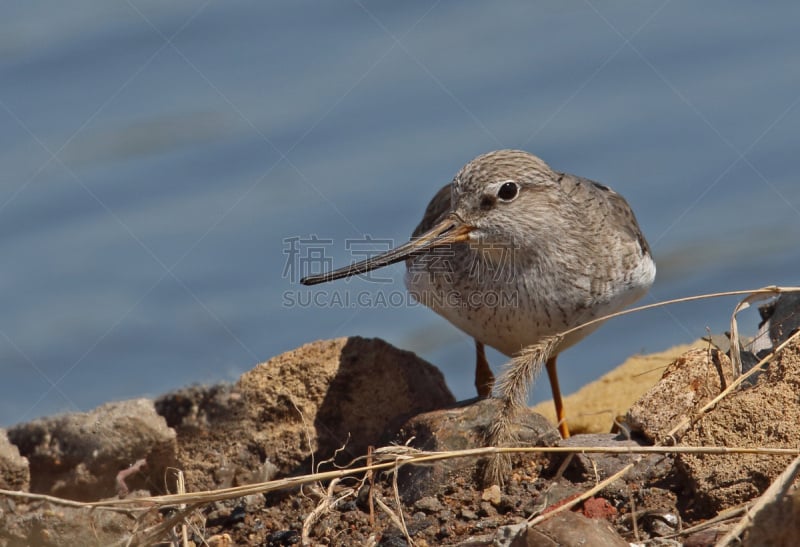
[509, 303]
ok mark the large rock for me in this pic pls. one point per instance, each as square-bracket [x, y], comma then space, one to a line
[14, 471]
[347, 393]
[458, 428]
[79, 455]
[765, 415]
[308, 402]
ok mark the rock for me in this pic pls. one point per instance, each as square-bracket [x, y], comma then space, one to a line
[783, 317]
[505, 536]
[429, 504]
[567, 528]
[14, 471]
[336, 395]
[707, 536]
[79, 455]
[313, 400]
[765, 415]
[598, 466]
[458, 428]
[56, 526]
[688, 383]
[215, 447]
[492, 495]
[776, 524]
[196, 408]
[654, 511]
[599, 508]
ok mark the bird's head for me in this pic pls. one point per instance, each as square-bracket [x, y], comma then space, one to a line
[494, 198]
[502, 194]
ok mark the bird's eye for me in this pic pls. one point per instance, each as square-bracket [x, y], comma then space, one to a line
[508, 191]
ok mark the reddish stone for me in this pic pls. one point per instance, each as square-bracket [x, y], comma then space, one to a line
[599, 508]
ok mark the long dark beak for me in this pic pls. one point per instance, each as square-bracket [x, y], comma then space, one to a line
[450, 230]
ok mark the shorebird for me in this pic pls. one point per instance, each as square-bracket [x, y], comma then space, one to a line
[512, 252]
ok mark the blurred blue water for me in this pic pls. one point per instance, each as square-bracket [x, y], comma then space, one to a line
[154, 157]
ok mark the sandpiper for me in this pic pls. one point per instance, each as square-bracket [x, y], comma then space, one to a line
[512, 252]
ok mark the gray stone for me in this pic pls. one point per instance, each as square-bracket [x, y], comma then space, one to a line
[784, 318]
[429, 504]
[461, 427]
[600, 465]
[79, 455]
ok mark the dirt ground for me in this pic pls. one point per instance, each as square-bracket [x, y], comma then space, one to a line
[661, 498]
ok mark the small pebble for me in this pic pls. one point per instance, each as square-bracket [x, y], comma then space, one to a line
[487, 510]
[492, 495]
[429, 504]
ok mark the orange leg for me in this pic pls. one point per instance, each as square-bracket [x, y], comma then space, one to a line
[484, 379]
[552, 374]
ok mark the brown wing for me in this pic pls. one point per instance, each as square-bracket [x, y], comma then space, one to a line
[437, 208]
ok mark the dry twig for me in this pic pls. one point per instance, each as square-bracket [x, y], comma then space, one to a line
[583, 497]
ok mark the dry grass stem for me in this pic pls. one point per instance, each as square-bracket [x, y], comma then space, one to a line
[155, 534]
[736, 347]
[371, 480]
[394, 518]
[327, 502]
[181, 482]
[396, 492]
[583, 497]
[727, 514]
[771, 290]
